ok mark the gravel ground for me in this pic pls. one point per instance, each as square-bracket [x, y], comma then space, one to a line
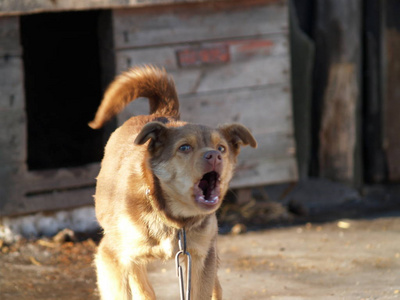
[343, 259]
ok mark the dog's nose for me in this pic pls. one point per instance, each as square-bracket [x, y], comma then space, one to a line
[213, 157]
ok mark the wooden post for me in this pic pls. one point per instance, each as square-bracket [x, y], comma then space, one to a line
[337, 89]
[391, 92]
[12, 113]
[374, 157]
[302, 56]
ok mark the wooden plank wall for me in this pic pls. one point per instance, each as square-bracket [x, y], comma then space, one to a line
[12, 113]
[22, 190]
[230, 62]
[13, 7]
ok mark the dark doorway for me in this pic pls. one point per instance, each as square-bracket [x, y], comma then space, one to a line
[63, 88]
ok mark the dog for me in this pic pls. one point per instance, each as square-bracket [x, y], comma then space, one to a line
[159, 175]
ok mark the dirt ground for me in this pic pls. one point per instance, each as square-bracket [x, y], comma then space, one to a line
[342, 259]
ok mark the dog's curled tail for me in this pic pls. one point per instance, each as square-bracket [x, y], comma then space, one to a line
[147, 81]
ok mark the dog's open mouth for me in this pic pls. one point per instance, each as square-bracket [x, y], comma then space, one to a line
[207, 189]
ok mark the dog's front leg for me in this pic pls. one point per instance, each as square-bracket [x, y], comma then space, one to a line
[111, 276]
[139, 284]
[205, 283]
[121, 281]
[217, 290]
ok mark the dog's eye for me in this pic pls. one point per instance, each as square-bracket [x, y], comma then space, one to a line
[185, 148]
[221, 148]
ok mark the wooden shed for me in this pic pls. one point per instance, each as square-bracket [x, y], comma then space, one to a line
[230, 61]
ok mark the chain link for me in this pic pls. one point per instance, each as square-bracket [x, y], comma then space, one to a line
[179, 270]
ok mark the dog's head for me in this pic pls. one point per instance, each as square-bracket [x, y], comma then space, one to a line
[193, 163]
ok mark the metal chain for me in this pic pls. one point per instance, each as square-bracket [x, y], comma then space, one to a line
[179, 272]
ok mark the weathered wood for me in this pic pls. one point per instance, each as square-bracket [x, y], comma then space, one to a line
[11, 84]
[257, 72]
[193, 23]
[12, 137]
[56, 200]
[38, 182]
[26, 192]
[337, 85]
[194, 56]
[249, 60]
[12, 7]
[263, 109]
[12, 114]
[338, 128]
[391, 73]
[11, 186]
[9, 37]
[240, 50]
[275, 145]
[255, 173]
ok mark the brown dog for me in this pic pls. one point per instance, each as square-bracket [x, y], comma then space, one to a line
[159, 175]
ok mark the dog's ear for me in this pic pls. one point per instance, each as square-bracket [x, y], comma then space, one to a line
[238, 135]
[156, 132]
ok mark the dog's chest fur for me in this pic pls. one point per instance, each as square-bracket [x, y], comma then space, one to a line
[158, 241]
[140, 243]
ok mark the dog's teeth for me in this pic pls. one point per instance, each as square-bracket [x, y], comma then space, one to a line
[212, 200]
